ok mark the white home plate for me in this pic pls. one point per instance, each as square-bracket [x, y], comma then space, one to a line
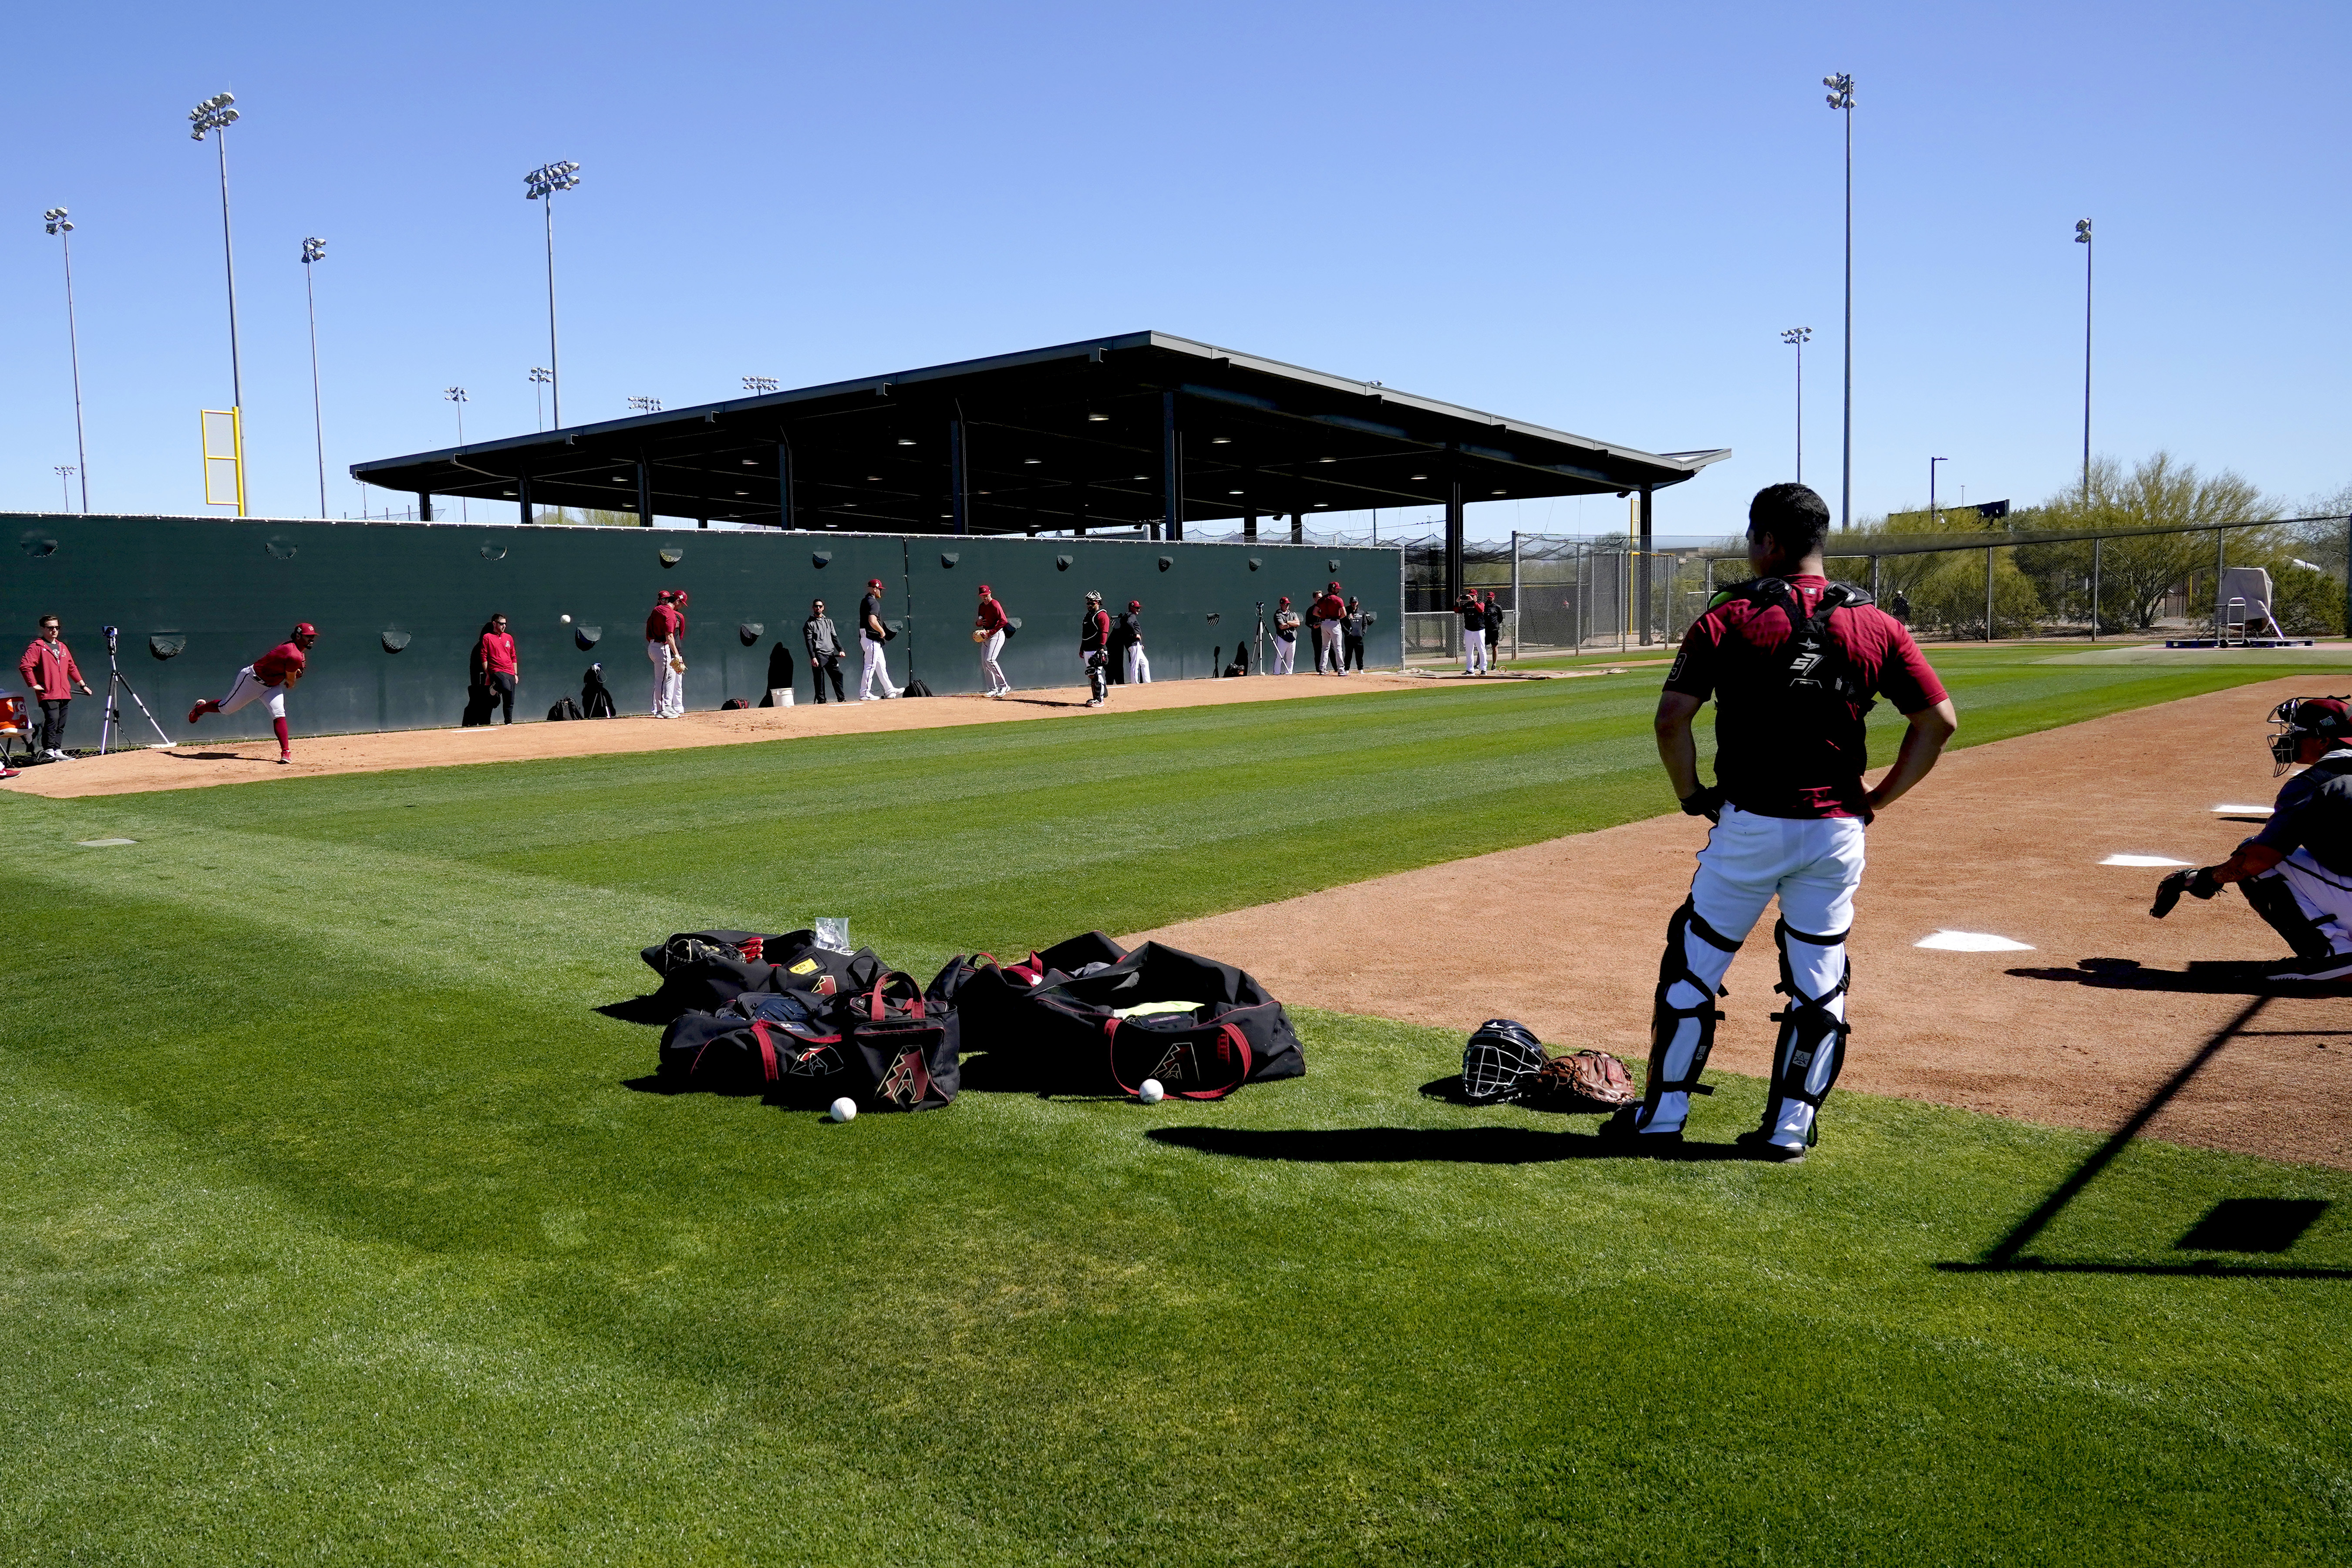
[1971, 942]
[2242, 811]
[2141, 860]
[101, 843]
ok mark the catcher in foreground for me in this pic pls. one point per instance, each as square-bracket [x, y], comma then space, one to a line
[268, 679]
[2297, 871]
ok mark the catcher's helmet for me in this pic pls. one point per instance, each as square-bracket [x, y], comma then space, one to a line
[2330, 717]
[1500, 1061]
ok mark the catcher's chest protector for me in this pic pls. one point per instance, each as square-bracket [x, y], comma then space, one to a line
[1812, 661]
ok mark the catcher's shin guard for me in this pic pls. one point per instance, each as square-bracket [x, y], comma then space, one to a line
[1812, 1046]
[2275, 901]
[1678, 1054]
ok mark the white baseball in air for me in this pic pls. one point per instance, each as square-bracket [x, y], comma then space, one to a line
[567, 620]
[1150, 1091]
[845, 1110]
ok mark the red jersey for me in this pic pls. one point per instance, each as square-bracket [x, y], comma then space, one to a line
[1795, 752]
[272, 667]
[664, 624]
[991, 617]
[1330, 607]
[497, 652]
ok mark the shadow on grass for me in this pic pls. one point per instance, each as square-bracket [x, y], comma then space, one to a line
[1404, 1146]
[649, 1008]
[2247, 1224]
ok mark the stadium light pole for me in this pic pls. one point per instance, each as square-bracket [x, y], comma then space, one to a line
[1798, 337]
[540, 185]
[314, 249]
[1840, 88]
[457, 395]
[215, 115]
[58, 225]
[1932, 513]
[2082, 238]
[761, 384]
[65, 472]
[539, 377]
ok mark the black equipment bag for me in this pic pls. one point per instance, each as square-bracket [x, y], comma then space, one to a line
[987, 995]
[564, 708]
[902, 1047]
[754, 1044]
[1232, 1032]
[702, 970]
[916, 689]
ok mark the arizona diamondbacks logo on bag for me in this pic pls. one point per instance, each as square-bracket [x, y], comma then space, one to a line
[908, 1080]
[1176, 1067]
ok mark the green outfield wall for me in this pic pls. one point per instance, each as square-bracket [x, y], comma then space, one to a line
[398, 606]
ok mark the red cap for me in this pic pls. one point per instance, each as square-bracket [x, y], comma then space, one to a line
[679, 595]
[984, 587]
[305, 629]
[1135, 604]
[664, 597]
[1332, 588]
[1285, 598]
[874, 581]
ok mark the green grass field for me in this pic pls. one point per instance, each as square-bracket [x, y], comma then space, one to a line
[332, 1234]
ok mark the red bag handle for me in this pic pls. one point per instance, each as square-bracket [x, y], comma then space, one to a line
[1239, 1043]
[874, 997]
[767, 1049]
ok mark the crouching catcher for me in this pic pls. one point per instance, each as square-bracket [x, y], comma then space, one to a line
[1793, 662]
[2296, 873]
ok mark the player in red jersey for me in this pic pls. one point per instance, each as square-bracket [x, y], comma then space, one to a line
[1793, 661]
[268, 679]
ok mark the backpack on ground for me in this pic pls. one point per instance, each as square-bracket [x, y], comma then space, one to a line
[901, 1047]
[564, 709]
[754, 1044]
[987, 995]
[731, 704]
[916, 689]
[1201, 1027]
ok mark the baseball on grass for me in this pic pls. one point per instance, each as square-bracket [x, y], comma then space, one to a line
[843, 1109]
[567, 620]
[1150, 1091]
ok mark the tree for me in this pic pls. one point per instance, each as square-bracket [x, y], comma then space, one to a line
[2136, 573]
[592, 517]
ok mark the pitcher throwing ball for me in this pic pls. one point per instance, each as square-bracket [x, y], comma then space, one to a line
[1793, 662]
[2297, 871]
[268, 679]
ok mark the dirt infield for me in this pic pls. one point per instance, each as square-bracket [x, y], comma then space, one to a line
[193, 766]
[2003, 839]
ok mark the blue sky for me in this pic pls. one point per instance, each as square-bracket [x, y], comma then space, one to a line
[1596, 217]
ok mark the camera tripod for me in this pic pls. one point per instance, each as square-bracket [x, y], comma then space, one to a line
[1259, 668]
[110, 733]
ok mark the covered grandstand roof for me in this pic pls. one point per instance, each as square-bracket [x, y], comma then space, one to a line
[1106, 433]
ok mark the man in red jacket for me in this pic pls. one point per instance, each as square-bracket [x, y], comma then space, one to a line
[664, 627]
[268, 679]
[50, 675]
[989, 626]
[1327, 612]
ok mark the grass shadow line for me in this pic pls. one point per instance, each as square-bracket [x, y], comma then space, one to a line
[1408, 1145]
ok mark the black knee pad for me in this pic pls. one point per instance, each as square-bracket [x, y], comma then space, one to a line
[2274, 900]
[1674, 968]
[1808, 1030]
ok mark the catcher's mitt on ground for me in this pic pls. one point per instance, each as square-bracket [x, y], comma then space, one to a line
[1583, 1081]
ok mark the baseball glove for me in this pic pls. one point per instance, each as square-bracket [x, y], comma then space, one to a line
[678, 667]
[1583, 1081]
[2198, 884]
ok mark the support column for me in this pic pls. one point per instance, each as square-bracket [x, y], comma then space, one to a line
[1453, 530]
[958, 478]
[1249, 525]
[1873, 575]
[1297, 527]
[522, 498]
[2220, 564]
[645, 493]
[2094, 588]
[1649, 520]
[423, 505]
[1172, 468]
[1988, 595]
[784, 512]
[1519, 624]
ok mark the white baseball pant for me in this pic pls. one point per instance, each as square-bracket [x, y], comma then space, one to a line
[2323, 897]
[248, 688]
[669, 685]
[1138, 665]
[1813, 866]
[878, 663]
[1474, 651]
[1285, 655]
[991, 671]
[1327, 646]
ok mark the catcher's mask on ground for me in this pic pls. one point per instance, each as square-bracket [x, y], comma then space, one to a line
[2298, 718]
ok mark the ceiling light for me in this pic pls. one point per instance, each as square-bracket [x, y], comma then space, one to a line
[847, 506]
[1417, 475]
[906, 440]
[1030, 462]
[751, 462]
[1097, 418]
[1233, 492]
[1221, 440]
[1141, 477]
[1495, 492]
[742, 492]
[1322, 503]
[620, 478]
[873, 478]
[1327, 459]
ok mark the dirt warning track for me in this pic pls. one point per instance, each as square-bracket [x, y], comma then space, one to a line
[2004, 840]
